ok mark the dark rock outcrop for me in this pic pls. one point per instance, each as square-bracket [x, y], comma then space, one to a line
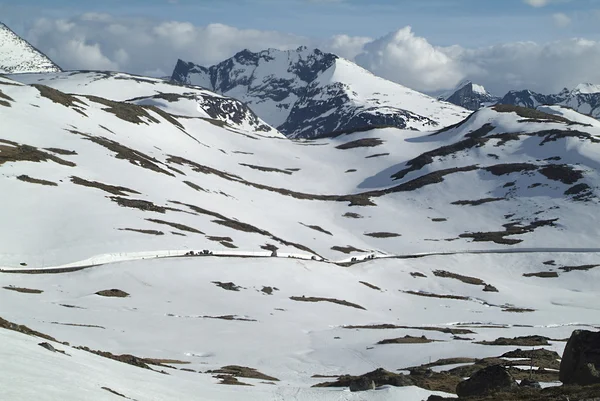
[581, 359]
[530, 384]
[362, 384]
[379, 377]
[489, 380]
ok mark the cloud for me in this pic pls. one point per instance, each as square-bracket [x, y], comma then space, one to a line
[544, 3]
[345, 46]
[537, 3]
[138, 45]
[147, 47]
[412, 61]
[402, 56]
[561, 20]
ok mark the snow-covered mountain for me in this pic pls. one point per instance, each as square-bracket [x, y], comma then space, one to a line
[584, 98]
[191, 102]
[470, 96]
[382, 248]
[18, 56]
[306, 93]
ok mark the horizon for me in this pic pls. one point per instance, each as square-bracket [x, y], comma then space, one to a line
[430, 46]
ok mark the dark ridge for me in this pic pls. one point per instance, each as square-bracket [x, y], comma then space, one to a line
[476, 202]
[31, 180]
[331, 300]
[317, 228]
[361, 143]
[149, 232]
[143, 205]
[529, 113]
[112, 189]
[176, 225]
[20, 152]
[561, 172]
[266, 169]
[509, 168]
[135, 157]
[509, 229]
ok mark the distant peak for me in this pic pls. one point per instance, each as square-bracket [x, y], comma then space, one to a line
[587, 88]
[464, 83]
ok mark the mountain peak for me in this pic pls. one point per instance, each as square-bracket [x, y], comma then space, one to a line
[470, 96]
[587, 88]
[18, 56]
[305, 92]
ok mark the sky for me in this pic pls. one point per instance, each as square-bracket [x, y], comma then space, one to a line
[428, 45]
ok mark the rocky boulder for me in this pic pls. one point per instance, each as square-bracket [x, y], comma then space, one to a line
[362, 384]
[527, 383]
[490, 380]
[368, 381]
[581, 359]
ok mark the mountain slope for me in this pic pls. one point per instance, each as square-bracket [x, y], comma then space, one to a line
[18, 56]
[321, 249]
[470, 96]
[306, 93]
[174, 160]
[177, 99]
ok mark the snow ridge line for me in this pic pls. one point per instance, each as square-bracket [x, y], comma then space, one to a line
[106, 259]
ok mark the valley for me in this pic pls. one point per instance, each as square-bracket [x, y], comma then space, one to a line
[175, 239]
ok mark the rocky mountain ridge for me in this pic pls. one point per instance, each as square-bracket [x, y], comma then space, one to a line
[306, 93]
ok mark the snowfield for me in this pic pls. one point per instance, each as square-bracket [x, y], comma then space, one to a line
[320, 255]
[18, 56]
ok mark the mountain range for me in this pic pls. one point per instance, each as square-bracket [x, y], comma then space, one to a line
[306, 93]
[584, 98]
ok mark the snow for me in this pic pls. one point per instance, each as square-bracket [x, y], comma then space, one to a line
[569, 114]
[587, 88]
[273, 90]
[479, 89]
[18, 56]
[289, 340]
[191, 101]
[367, 91]
[253, 190]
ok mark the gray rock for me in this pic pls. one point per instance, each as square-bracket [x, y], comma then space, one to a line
[581, 359]
[487, 381]
[465, 96]
[362, 384]
[48, 346]
[527, 383]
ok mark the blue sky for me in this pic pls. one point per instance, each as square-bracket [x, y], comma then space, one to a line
[443, 22]
[428, 45]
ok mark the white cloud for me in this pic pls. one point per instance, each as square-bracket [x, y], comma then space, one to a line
[345, 46]
[544, 3]
[142, 46]
[561, 20]
[138, 45]
[404, 57]
[537, 3]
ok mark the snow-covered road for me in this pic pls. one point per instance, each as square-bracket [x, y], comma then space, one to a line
[111, 258]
